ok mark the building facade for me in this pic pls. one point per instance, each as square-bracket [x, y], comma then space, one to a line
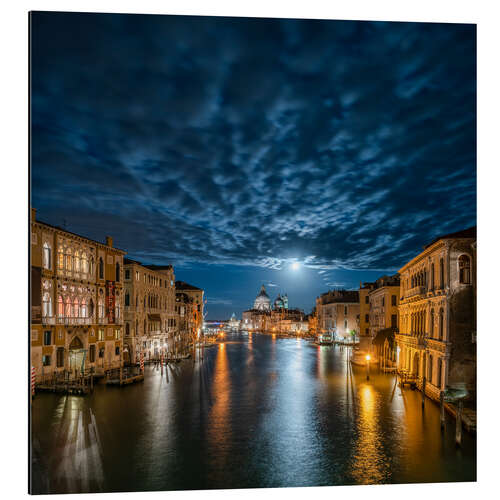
[150, 323]
[338, 314]
[76, 302]
[437, 314]
[198, 303]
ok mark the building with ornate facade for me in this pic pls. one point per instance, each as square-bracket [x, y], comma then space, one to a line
[437, 314]
[337, 313]
[197, 310]
[76, 302]
[262, 301]
[150, 320]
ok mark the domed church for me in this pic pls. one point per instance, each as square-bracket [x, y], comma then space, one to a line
[262, 302]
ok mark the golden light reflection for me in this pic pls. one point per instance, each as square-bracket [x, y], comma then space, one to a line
[219, 427]
[370, 465]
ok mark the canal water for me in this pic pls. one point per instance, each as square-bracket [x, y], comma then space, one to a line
[257, 411]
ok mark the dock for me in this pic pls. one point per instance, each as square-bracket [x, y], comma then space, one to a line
[124, 376]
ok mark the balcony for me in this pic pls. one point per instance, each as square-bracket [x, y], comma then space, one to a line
[64, 320]
[102, 321]
[415, 292]
[48, 320]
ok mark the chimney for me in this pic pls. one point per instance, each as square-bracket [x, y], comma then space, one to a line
[109, 241]
[33, 215]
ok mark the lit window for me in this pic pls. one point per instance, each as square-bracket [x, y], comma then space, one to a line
[77, 261]
[47, 259]
[47, 305]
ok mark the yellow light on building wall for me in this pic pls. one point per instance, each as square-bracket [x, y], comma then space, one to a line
[368, 357]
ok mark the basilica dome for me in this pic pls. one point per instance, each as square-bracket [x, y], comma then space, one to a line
[262, 302]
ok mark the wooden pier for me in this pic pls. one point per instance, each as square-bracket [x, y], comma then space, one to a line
[67, 382]
[124, 376]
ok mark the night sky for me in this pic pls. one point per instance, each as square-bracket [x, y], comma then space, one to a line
[233, 147]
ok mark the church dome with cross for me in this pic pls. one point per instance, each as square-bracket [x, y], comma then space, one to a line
[262, 301]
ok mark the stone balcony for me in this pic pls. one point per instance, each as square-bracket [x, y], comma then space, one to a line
[65, 320]
[415, 292]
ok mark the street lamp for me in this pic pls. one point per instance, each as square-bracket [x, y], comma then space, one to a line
[368, 357]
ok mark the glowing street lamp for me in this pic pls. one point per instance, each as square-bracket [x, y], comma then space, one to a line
[368, 357]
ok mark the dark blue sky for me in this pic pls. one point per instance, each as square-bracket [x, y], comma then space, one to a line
[232, 147]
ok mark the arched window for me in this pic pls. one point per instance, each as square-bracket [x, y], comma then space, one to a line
[117, 277]
[76, 308]
[60, 258]
[91, 265]
[47, 257]
[117, 308]
[69, 259]
[127, 329]
[47, 305]
[101, 268]
[145, 327]
[83, 309]
[100, 307]
[91, 308]
[84, 263]
[431, 361]
[431, 326]
[60, 307]
[441, 273]
[77, 261]
[432, 276]
[127, 299]
[441, 324]
[464, 269]
[67, 308]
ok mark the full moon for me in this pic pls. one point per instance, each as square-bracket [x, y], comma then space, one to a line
[295, 266]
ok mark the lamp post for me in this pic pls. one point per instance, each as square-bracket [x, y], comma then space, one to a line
[368, 357]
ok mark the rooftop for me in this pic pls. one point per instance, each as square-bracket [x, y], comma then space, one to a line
[182, 285]
[470, 232]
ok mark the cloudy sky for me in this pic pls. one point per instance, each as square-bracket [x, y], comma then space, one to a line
[232, 148]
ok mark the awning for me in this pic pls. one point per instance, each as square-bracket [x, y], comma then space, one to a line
[154, 317]
[382, 335]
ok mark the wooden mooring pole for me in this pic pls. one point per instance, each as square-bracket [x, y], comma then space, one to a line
[423, 392]
[458, 428]
[441, 404]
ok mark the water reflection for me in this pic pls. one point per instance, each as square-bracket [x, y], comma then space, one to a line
[370, 465]
[255, 411]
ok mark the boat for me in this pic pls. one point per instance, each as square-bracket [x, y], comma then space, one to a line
[325, 339]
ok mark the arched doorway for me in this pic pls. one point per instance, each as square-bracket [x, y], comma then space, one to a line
[76, 356]
[416, 364]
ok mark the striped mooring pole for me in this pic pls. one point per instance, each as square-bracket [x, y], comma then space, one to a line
[142, 362]
[33, 380]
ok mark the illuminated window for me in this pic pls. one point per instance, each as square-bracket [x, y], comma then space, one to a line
[76, 308]
[83, 309]
[84, 263]
[47, 258]
[47, 305]
[60, 307]
[69, 259]
[67, 308]
[60, 258]
[77, 261]
[100, 334]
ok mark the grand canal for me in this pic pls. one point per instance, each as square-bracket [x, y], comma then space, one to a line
[257, 411]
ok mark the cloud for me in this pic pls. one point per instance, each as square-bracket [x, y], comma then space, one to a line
[344, 145]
